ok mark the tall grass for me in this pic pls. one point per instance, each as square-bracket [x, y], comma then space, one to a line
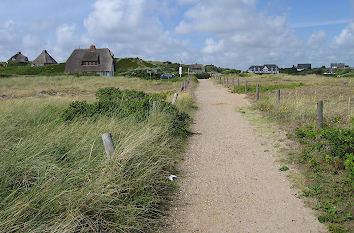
[55, 177]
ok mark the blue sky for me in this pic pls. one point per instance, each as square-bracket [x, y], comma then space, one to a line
[229, 33]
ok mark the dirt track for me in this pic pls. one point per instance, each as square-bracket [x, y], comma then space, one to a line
[230, 183]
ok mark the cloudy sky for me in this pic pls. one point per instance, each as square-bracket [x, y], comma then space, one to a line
[228, 33]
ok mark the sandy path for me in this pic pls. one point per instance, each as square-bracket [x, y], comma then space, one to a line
[230, 183]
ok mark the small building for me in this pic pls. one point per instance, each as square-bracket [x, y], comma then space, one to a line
[265, 69]
[338, 66]
[196, 68]
[301, 67]
[44, 59]
[18, 57]
[92, 60]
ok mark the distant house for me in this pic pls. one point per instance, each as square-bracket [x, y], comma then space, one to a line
[338, 66]
[265, 69]
[92, 60]
[301, 67]
[18, 57]
[44, 59]
[196, 68]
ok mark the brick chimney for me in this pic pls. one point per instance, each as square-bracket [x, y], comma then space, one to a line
[92, 48]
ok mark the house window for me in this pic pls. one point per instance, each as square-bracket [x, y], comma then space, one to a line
[89, 63]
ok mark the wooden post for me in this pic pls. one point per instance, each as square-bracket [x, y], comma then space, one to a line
[238, 82]
[175, 98]
[233, 83]
[108, 144]
[257, 92]
[349, 110]
[154, 106]
[278, 96]
[246, 87]
[320, 114]
[182, 86]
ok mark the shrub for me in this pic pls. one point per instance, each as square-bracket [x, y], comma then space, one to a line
[115, 102]
[202, 75]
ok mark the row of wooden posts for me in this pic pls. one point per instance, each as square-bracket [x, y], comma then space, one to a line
[107, 137]
[277, 97]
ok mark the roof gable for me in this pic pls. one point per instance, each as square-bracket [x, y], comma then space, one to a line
[103, 59]
[44, 58]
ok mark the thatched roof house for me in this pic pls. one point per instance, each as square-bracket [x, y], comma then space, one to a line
[92, 60]
[196, 68]
[44, 59]
[18, 57]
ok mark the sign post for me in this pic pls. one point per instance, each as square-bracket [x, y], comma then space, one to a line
[180, 71]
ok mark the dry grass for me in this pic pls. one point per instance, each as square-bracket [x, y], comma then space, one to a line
[27, 86]
[298, 106]
[54, 175]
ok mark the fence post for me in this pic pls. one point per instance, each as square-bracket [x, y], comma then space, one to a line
[238, 82]
[320, 114]
[278, 96]
[154, 106]
[246, 87]
[233, 83]
[257, 92]
[175, 98]
[182, 86]
[108, 144]
[349, 110]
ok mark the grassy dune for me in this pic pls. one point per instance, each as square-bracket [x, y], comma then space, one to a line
[324, 156]
[54, 175]
[22, 86]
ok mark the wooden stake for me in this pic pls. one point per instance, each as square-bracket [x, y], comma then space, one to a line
[108, 144]
[320, 114]
[175, 98]
[257, 92]
[278, 96]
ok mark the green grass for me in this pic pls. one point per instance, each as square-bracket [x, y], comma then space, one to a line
[283, 168]
[55, 177]
[57, 69]
[263, 88]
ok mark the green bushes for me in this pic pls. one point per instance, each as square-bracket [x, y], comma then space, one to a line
[113, 102]
[202, 75]
[328, 152]
[47, 70]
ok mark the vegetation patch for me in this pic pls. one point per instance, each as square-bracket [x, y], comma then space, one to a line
[47, 70]
[329, 153]
[252, 88]
[54, 174]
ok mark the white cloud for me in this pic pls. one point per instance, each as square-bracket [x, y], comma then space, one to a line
[247, 35]
[132, 29]
[346, 37]
[316, 39]
[213, 46]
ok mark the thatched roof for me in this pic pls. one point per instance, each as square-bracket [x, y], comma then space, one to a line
[196, 68]
[103, 57]
[44, 58]
[18, 57]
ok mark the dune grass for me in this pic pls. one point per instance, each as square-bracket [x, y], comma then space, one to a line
[55, 177]
[25, 86]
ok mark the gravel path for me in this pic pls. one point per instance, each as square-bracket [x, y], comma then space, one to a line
[230, 183]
